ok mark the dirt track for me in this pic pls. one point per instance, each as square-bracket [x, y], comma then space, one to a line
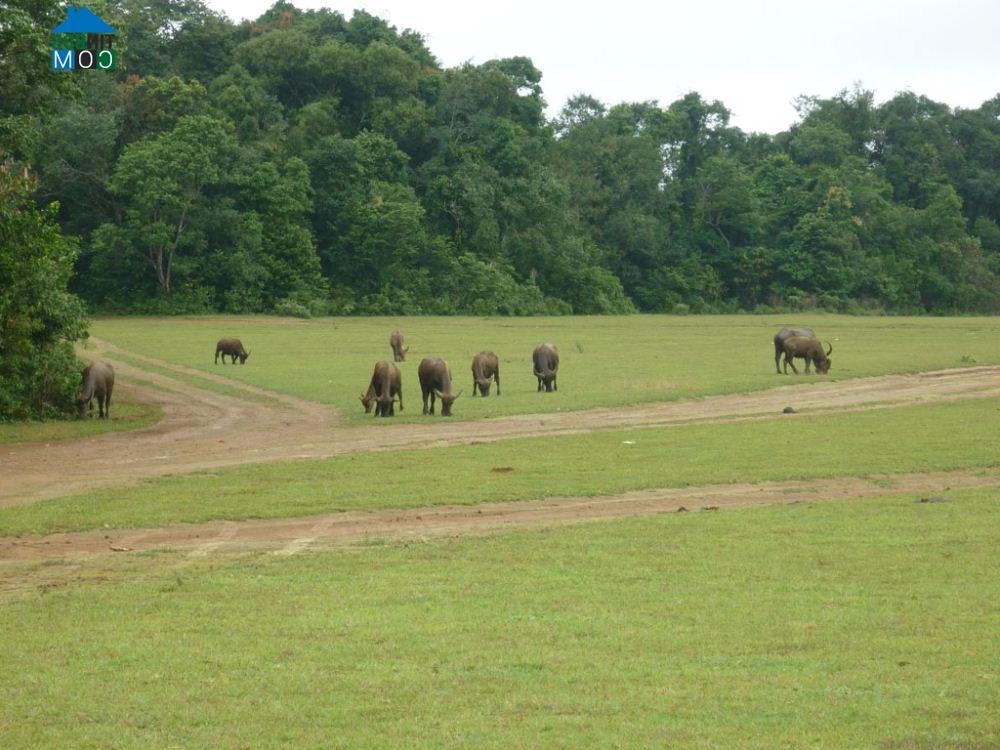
[293, 535]
[205, 429]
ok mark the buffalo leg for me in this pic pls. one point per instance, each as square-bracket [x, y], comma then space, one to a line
[808, 362]
[474, 388]
[107, 403]
[425, 402]
[788, 361]
[496, 377]
[539, 385]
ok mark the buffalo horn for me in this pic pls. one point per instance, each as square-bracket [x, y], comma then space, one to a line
[828, 351]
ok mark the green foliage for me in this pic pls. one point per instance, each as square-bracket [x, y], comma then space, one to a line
[39, 319]
[398, 185]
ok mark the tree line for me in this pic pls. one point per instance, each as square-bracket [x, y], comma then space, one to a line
[308, 163]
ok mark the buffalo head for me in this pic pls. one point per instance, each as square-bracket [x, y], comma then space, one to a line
[483, 384]
[547, 377]
[367, 399]
[447, 399]
[823, 365]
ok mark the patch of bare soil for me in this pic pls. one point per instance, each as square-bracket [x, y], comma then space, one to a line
[205, 429]
[290, 536]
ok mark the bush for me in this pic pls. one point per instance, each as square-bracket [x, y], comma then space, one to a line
[39, 319]
[292, 309]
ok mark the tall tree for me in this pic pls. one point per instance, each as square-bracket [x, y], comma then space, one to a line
[39, 318]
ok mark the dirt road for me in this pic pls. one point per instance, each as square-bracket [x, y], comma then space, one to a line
[293, 535]
[204, 429]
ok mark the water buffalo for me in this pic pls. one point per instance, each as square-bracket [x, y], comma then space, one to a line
[435, 380]
[808, 348]
[98, 382]
[779, 339]
[545, 360]
[232, 347]
[485, 366]
[398, 350]
[384, 390]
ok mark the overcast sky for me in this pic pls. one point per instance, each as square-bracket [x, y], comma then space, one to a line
[754, 56]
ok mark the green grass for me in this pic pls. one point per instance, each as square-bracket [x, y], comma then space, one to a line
[918, 438]
[125, 415]
[605, 361]
[865, 624]
[225, 389]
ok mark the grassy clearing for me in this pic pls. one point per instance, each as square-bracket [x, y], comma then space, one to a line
[125, 415]
[871, 623]
[233, 391]
[605, 361]
[920, 438]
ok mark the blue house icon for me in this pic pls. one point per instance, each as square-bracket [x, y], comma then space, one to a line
[82, 21]
[83, 42]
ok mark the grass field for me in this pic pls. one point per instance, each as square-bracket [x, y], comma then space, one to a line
[870, 623]
[867, 624]
[125, 415]
[918, 438]
[605, 361]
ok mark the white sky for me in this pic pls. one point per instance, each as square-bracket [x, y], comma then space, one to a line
[754, 56]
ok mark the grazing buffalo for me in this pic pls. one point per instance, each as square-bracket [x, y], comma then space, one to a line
[98, 382]
[435, 380]
[398, 350]
[232, 347]
[384, 390]
[779, 341]
[485, 366]
[545, 359]
[808, 348]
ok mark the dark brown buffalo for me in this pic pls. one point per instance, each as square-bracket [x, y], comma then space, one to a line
[435, 381]
[385, 388]
[398, 350]
[779, 342]
[98, 382]
[545, 360]
[485, 366]
[233, 348]
[808, 348]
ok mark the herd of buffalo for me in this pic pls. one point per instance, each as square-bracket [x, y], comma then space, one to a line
[385, 388]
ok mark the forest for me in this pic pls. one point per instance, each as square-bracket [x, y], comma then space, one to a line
[306, 163]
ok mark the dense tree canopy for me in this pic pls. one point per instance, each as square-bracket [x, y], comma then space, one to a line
[310, 162]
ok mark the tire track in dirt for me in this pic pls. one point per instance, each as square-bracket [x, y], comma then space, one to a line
[289, 536]
[205, 429]
[201, 429]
